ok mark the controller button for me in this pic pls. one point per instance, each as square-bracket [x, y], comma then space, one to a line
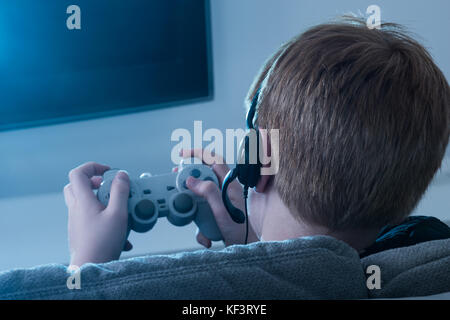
[195, 173]
[147, 191]
[170, 188]
[183, 203]
[144, 209]
[208, 179]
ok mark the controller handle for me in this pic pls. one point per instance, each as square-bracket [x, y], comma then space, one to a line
[206, 223]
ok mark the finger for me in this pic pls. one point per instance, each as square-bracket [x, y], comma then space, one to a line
[120, 190]
[96, 182]
[128, 246]
[221, 171]
[216, 161]
[206, 156]
[207, 190]
[204, 241]
[80, 179]
[195, 153]
[212, 194]
[68, 195]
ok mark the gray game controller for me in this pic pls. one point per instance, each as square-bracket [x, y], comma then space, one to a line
[152, 197]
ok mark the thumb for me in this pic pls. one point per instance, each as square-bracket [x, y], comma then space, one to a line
[120, 190]
[193, 184]
[210, 191]
[206, 189]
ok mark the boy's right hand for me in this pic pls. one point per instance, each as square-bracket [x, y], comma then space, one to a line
[233, 233]
[97, 233]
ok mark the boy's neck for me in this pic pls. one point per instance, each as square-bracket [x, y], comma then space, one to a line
[279, 224]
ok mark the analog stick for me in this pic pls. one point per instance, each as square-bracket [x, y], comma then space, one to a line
[183, 203]
[144, 209]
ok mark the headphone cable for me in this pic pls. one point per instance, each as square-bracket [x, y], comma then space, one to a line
[246, 213]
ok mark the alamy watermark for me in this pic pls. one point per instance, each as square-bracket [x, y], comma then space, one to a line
[227, 145]
[374, 279]
[374, 19]
[74, 280]
[73, 21]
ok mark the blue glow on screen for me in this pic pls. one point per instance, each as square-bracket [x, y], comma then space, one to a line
[127, 54]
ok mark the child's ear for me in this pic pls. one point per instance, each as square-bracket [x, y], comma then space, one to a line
[264, 154]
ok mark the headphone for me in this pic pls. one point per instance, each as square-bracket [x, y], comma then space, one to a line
[248, 167]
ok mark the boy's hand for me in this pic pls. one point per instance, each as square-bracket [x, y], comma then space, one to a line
[96, 234]
[233, 233]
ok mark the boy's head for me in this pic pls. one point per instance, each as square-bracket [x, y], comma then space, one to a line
[364, 120]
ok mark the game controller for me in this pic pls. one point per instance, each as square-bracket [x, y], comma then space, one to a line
[153, 197]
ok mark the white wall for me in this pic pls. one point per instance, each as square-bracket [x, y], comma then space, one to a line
[34, 162]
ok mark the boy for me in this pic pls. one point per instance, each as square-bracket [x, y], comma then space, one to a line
[363, 117]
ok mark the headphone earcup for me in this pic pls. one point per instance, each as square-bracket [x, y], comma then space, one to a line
[249, 166]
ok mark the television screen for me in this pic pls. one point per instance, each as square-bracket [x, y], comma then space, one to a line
[71, 60]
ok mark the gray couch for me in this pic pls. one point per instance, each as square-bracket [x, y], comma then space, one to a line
[318, 267]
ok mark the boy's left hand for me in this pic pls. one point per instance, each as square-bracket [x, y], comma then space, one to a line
[96, 233]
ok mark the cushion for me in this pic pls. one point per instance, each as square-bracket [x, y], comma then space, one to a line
[318, 267]
[419, 270]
